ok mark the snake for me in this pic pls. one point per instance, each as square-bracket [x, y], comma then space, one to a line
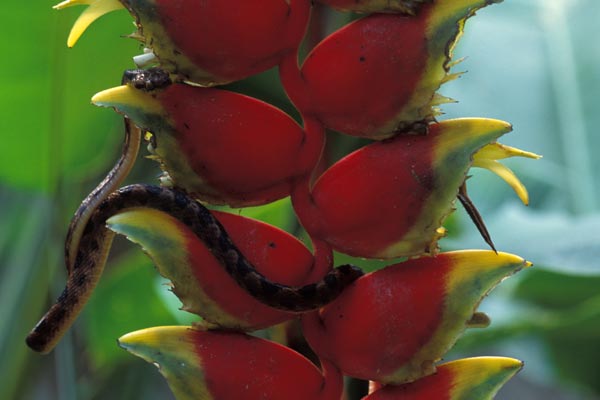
[149, 79]
[96, 239]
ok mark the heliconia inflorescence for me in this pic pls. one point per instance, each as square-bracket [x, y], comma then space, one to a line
[376, 78]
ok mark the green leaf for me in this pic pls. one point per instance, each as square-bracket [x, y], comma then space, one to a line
[50, 131]
[24, 277]
[576, 359]
[555, 290]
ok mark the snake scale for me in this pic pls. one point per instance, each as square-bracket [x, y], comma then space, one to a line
[95, 243]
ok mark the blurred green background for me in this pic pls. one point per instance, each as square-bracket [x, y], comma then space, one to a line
[533, 63]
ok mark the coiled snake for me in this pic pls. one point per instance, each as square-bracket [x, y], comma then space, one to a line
[88, 240]
[95, 243]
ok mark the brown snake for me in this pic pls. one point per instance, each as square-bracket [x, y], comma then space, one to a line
[133, 137]
[95, 244]
[141, 79]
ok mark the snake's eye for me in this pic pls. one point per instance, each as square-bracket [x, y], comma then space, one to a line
[219, 365]
[222, 146]
[380, 74]
[392, 325]
[199, 280]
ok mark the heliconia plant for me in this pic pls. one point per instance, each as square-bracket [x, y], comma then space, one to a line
[377, 78]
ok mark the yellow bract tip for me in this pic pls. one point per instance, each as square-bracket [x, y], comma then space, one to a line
[96, 9]
[125, 99]
[147, 222]
[498, 151]
[153, 337]
[473, 264]
[481, 377]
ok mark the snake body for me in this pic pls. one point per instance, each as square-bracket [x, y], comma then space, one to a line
[150, 79]
[131, 145]
[95, 243]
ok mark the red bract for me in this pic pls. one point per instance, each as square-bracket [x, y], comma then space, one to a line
[392, 325]
[200, 281]
[380, 74]
[216, 365]
[389, 198]
[212, 42]
[221, 146]
[209, 42]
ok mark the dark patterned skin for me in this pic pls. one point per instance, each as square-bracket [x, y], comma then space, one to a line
[96, 241]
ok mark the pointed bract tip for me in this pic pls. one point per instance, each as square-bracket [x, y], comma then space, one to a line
[96, 9]
[129, 101]
[464, 137]
[136, 341]
[470, 127]
[478, 271]
[486, 258]
[481, 377]
[116, 95]
[489, 364]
